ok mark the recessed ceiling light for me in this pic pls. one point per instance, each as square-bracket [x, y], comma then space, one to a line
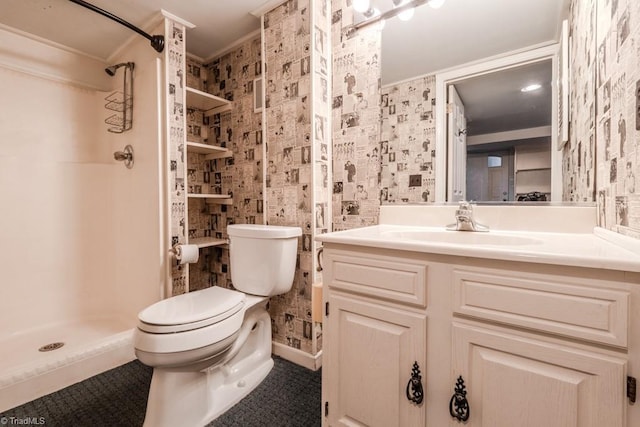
[531, 88]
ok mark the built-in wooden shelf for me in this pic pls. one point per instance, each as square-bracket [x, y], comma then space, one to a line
[210, 151]
[206, 102]
[207, 242]
[221, 199]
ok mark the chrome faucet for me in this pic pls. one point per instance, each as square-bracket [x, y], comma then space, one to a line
[465, 220]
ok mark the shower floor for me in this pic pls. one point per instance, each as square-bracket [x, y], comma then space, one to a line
[90, 346]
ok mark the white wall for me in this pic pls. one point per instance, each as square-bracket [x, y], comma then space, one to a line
[77, 229]
[141, 248]
[55, 189]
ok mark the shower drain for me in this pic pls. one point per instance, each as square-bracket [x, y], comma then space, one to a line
[51, 347]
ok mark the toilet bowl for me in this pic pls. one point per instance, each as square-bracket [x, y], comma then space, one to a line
[209, 348]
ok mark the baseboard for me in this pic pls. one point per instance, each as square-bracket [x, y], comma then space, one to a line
[298, 357]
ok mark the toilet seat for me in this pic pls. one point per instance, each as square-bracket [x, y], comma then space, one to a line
[193, 310]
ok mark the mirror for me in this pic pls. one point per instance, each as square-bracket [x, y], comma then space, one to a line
[500, 129]
[463, 45]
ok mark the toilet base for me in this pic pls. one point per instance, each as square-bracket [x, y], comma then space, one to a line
[181, 397]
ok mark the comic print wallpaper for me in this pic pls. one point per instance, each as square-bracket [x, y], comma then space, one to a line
[231, 76]
[407, 147]
[175, 81]
[617, 124]
[579, 156]
[605, 98]
[356, 122]
[297, 90]
[296, 174]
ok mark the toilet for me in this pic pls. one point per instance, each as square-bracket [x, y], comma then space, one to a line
[210, 348]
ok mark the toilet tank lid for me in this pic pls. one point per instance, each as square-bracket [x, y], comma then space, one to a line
[259, 231]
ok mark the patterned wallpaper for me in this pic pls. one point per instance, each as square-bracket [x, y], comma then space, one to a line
[297, 175]
[174, 57]
[606, 78]
[578, 169]
[297, 55]
[230, 76]
[408, 141]
[356, 122]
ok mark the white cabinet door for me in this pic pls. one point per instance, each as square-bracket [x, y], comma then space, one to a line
[516, 381]
[369, 353]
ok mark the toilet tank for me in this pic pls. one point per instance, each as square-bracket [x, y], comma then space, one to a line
[263, 258]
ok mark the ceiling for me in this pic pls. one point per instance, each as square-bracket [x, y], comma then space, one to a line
[494, 102]
[460, 31]
[219, 23]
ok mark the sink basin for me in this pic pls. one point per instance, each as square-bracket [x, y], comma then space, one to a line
[462, 237]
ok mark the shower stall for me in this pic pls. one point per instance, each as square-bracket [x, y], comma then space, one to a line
[83, 237]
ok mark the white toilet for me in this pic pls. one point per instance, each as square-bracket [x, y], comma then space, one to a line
[210, 348]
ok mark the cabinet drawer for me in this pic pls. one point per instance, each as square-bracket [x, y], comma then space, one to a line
[592, 312]
[391, 278]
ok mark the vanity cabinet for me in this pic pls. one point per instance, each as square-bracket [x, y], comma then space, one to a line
[503, 343]
[529, 346]
[374, 351]
[516, 381]
[375, 312]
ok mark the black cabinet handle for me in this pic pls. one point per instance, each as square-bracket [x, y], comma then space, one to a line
[458, 405]
[415, 392]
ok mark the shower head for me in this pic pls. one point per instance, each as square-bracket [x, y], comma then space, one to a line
[112, 69]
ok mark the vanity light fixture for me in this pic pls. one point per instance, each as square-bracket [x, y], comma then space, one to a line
[404, 9]
[531, 87]
[372, 14]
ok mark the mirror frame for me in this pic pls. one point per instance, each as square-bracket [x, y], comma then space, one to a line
[443, 172]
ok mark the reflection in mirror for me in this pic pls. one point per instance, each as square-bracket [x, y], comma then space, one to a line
[504, 106]
[507, 134]
[416, 161]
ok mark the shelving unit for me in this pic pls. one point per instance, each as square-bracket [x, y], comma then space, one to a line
[200, 154]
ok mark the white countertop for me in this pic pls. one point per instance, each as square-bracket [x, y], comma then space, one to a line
[599, 249]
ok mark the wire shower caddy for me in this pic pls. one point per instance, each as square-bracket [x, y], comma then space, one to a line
[122, 103]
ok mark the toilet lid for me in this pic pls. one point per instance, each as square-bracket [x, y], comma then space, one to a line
[191, 310]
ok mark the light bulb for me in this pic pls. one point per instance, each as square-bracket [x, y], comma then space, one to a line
[361, 5]
[436, 4]
[406, 15]
[531, 87]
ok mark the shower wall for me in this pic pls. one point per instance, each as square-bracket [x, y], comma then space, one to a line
[58, 259]
[67, 218]
[141, 234]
